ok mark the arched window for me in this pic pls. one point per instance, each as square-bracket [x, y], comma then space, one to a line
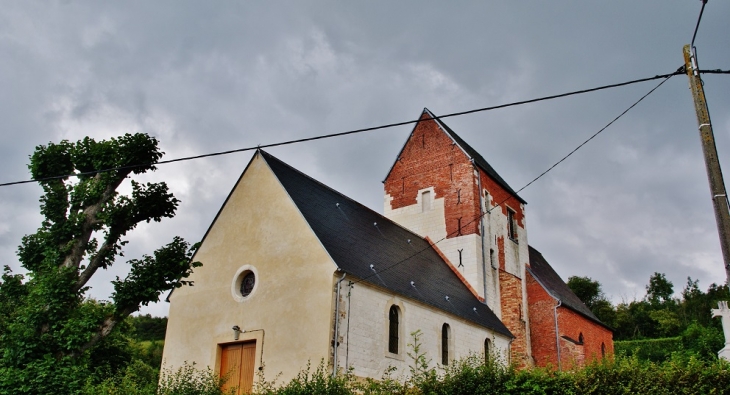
[580, 338]
[393, 318]
[603, 350]
[487, 350]
[445, 335]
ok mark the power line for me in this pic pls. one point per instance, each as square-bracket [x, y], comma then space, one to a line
[716, 71]
[478, 217]
[694, 35]
[390, 125]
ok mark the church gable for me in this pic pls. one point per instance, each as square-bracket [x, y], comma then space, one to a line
[263, 268]
[433, 173]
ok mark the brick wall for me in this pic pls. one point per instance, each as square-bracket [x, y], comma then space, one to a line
[572, 324]
[570, 327]
[542, 324]
[514, 318]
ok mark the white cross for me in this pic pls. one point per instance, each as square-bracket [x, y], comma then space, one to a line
[724, 312]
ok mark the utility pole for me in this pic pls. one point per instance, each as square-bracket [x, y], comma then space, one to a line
[714, 173]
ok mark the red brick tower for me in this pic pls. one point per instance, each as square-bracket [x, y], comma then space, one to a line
[441, 188]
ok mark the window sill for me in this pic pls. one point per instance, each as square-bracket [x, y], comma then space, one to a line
[397, 357]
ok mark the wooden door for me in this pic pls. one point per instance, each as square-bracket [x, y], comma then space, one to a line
[237, 362]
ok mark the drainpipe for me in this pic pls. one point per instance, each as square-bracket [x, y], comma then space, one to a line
[557, 334]
[509, 351]
[337, 326]
[481, 230]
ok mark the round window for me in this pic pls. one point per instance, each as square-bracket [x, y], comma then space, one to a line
[249, 280]
[245, 282]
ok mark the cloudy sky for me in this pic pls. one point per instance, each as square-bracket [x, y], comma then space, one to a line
[212, 76]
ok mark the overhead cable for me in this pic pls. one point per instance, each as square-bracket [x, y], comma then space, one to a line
[369, 129]
[697, 26]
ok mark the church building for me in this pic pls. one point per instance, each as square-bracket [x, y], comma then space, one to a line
[294, 272]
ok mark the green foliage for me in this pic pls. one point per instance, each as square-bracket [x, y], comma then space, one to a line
[696, 305]
[149, 352]
[586, 289]
[137, 378]
[703, 342]
[474, 376]
[147, 327]
[655, 350]
[46, 319]
[387, 385]
[318, 381]
[659, 290]
[188, 380]
[667, 322]
[679, 375]
[658, 315]
[140, 379]
[697, 341]
[419, 362]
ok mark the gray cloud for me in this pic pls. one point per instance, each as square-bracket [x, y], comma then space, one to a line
[207, 77]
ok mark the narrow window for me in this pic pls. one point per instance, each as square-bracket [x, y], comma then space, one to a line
[487, 350]
[580, 338]
[426, 201]
[393, 330]
[603, 350]
[445, 332]
[461, 264]
[511, 229]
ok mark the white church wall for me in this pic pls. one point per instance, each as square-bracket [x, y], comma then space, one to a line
[364, 339]
[428, 220]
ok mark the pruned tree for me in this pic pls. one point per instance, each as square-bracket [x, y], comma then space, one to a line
[85, 223]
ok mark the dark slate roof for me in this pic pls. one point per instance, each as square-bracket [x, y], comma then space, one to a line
[556, 287]
[357, 237]
[475, 156]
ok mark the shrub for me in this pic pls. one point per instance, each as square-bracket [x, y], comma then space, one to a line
[655, 350]
[188, 380]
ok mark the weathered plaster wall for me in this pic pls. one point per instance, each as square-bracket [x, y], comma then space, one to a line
[431, 162]
[289, 312]
[511, 259]
[364, 346]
